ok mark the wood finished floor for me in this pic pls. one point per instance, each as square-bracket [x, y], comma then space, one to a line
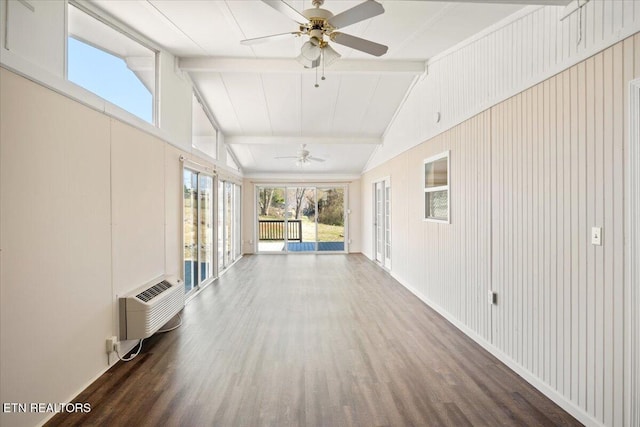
[312, 340]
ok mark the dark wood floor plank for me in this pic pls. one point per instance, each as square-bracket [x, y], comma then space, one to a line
[312, 340]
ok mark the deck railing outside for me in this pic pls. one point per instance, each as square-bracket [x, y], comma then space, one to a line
[274, 229]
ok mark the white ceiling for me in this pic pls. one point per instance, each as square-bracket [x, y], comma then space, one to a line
[266, 103]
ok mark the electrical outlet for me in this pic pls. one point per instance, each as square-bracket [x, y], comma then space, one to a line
[493, 297]
[112, 344]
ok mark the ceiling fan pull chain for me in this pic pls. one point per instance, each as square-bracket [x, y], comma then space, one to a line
[316, 85]
[322, 53]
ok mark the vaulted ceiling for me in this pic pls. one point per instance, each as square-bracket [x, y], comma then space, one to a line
[267, 104]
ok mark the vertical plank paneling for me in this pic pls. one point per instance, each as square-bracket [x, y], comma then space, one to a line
[540, 282]
[583, 275]
[629, 52]
[568, 252]
[598, 115]
[609, 242]
[589, 218]
[551, 244]
[576, 351]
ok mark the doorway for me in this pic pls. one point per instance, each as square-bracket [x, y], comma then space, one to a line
[300, 218]
[382, 222]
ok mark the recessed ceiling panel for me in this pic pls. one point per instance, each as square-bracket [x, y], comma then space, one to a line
[353, 102]
[282, 93]
[247, 95]
[318, 103]
[146, 20]
[382, 106]
[208, 23]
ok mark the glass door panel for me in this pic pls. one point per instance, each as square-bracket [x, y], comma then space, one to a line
[205, 227]
[330, 219]
[190, 214]
[301, 219]
[379, 237]
[271, 207]
[220, 226]
[237, 223]
[387, 224]
[228, 224]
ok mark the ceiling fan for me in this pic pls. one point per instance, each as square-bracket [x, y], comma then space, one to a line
[320, 26]
[303, 157]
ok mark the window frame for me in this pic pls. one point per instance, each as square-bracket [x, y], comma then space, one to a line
[445, 154]
[132, 35]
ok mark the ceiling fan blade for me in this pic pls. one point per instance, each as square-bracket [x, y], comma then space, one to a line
[284, 8]
[367, 46]
[366, 10]
[265, 39]
[315, 159]
[286, 157]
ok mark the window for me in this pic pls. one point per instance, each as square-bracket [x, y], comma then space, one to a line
[204, 135]
[436, 188]
[109, 63]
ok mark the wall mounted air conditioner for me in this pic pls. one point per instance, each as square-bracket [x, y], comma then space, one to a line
[145, 310]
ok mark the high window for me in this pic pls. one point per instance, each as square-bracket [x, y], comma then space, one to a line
[111, 64]
[436, 188]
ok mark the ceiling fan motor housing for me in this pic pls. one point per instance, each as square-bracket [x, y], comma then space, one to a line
[318, 22]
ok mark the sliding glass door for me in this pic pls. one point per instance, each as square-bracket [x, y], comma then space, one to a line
[229, 238]
[198, 228]
[300, 219]
[271, 219]
[382, 222]
[331, 219]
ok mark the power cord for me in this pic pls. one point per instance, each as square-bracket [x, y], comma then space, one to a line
[130, 358]
[133, 355]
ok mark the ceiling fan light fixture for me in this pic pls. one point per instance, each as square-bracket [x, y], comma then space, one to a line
[330, 55]
[311, 49]
[307, 63]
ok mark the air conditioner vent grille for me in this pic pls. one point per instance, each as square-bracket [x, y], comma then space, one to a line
[149, 294]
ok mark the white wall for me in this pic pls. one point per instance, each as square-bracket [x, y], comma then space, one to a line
[55, 236]
[35, 33]
[529, 178]
[90, 209]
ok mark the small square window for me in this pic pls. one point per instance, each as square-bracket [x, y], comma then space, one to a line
[436, 188]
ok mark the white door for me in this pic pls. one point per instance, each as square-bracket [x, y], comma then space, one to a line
[387, 224]
[378, 200]
[382, 222]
